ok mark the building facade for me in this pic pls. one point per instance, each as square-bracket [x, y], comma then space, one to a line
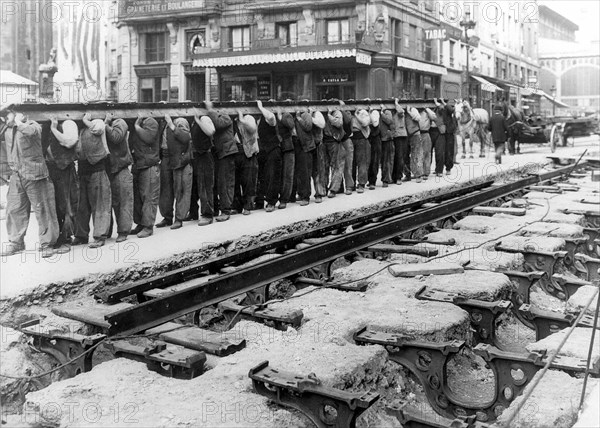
[176, 50]
[569, 71]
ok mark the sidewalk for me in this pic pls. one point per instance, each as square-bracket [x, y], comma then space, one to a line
[23, 272]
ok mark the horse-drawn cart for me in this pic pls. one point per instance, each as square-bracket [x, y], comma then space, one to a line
[564, 129]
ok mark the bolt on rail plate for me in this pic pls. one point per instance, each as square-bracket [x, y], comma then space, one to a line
[549, 322]
[522, 283]
[63, 346]
[324, 406]
[482, 314]
[570, 285]
[176, 361]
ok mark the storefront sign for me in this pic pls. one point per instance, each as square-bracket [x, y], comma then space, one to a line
[435, 33]
[264, 88]
[151, 70]
[131, 9]
[266, 43]
[363, 58]
[420, 66]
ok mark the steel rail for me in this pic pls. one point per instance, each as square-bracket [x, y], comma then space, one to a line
[158, 311]
[196, 270]
[75, 111]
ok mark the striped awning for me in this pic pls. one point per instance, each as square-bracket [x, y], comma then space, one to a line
[486, 86]
[278, 57]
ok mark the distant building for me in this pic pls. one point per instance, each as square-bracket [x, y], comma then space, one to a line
[175, 50]
[15, 89]
[25, 37]
[569, 69]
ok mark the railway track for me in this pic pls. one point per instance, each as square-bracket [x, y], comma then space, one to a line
[152, 307]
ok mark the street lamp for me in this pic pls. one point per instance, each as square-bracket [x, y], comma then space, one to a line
[553, 93]
[468, 24]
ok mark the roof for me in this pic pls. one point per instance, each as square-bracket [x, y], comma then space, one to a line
[552, 14]
[7, 77]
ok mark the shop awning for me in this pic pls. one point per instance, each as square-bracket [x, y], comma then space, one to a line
[485, 85]
[553, 99]
[420, 66]
[249, 58]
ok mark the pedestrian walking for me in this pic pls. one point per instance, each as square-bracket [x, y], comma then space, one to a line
[500, 132]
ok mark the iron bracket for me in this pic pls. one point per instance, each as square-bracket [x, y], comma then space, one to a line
[569, 285]
[592, 218]
[545, 261]
[587, 266]
[324, 406]
[593, 241]
[178, 363]
[64, 347]
[574, 246]
[548, 322]
[482, 314]
[279, 319]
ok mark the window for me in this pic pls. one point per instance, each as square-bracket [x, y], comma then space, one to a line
[396, 34]
[287, 32]
[197, 41]
[154, 89]
[452, 46]
[119, 64]
[427, 51]
[113, 61]
[412, 40]
[338, 31]
[155, 48]
[239, 38]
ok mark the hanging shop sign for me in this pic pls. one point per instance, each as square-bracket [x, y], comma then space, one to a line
[363, 58]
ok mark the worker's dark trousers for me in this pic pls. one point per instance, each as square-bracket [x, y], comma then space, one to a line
[146, 191]
[303, 171]
[204, 178]
[226, 182]
[121, 188]
[95, 201]
[66, 193]
[269, 177]
[401, 153]
[331, 159]
[375, 143]
[388, 152]
[246, 177]
[288, 161]
[361, 160]
[438, 143]
[449, 154]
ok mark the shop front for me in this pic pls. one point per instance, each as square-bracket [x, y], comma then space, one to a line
[340, 73]
[417, 79]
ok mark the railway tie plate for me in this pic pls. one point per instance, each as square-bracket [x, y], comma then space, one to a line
[428, 360]
[324, 406]
[588, 267]
[549, 322]
[335, 284]
[75, 349]
[482, 314]
[200, 339]
[171, 361]
[411, 416]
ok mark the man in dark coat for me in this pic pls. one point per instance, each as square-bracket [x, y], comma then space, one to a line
[203, 163]
[499, 130]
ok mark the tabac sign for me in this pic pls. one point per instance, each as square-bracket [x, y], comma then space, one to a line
[443, 32]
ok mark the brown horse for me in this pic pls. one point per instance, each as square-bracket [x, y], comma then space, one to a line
[472, 122]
